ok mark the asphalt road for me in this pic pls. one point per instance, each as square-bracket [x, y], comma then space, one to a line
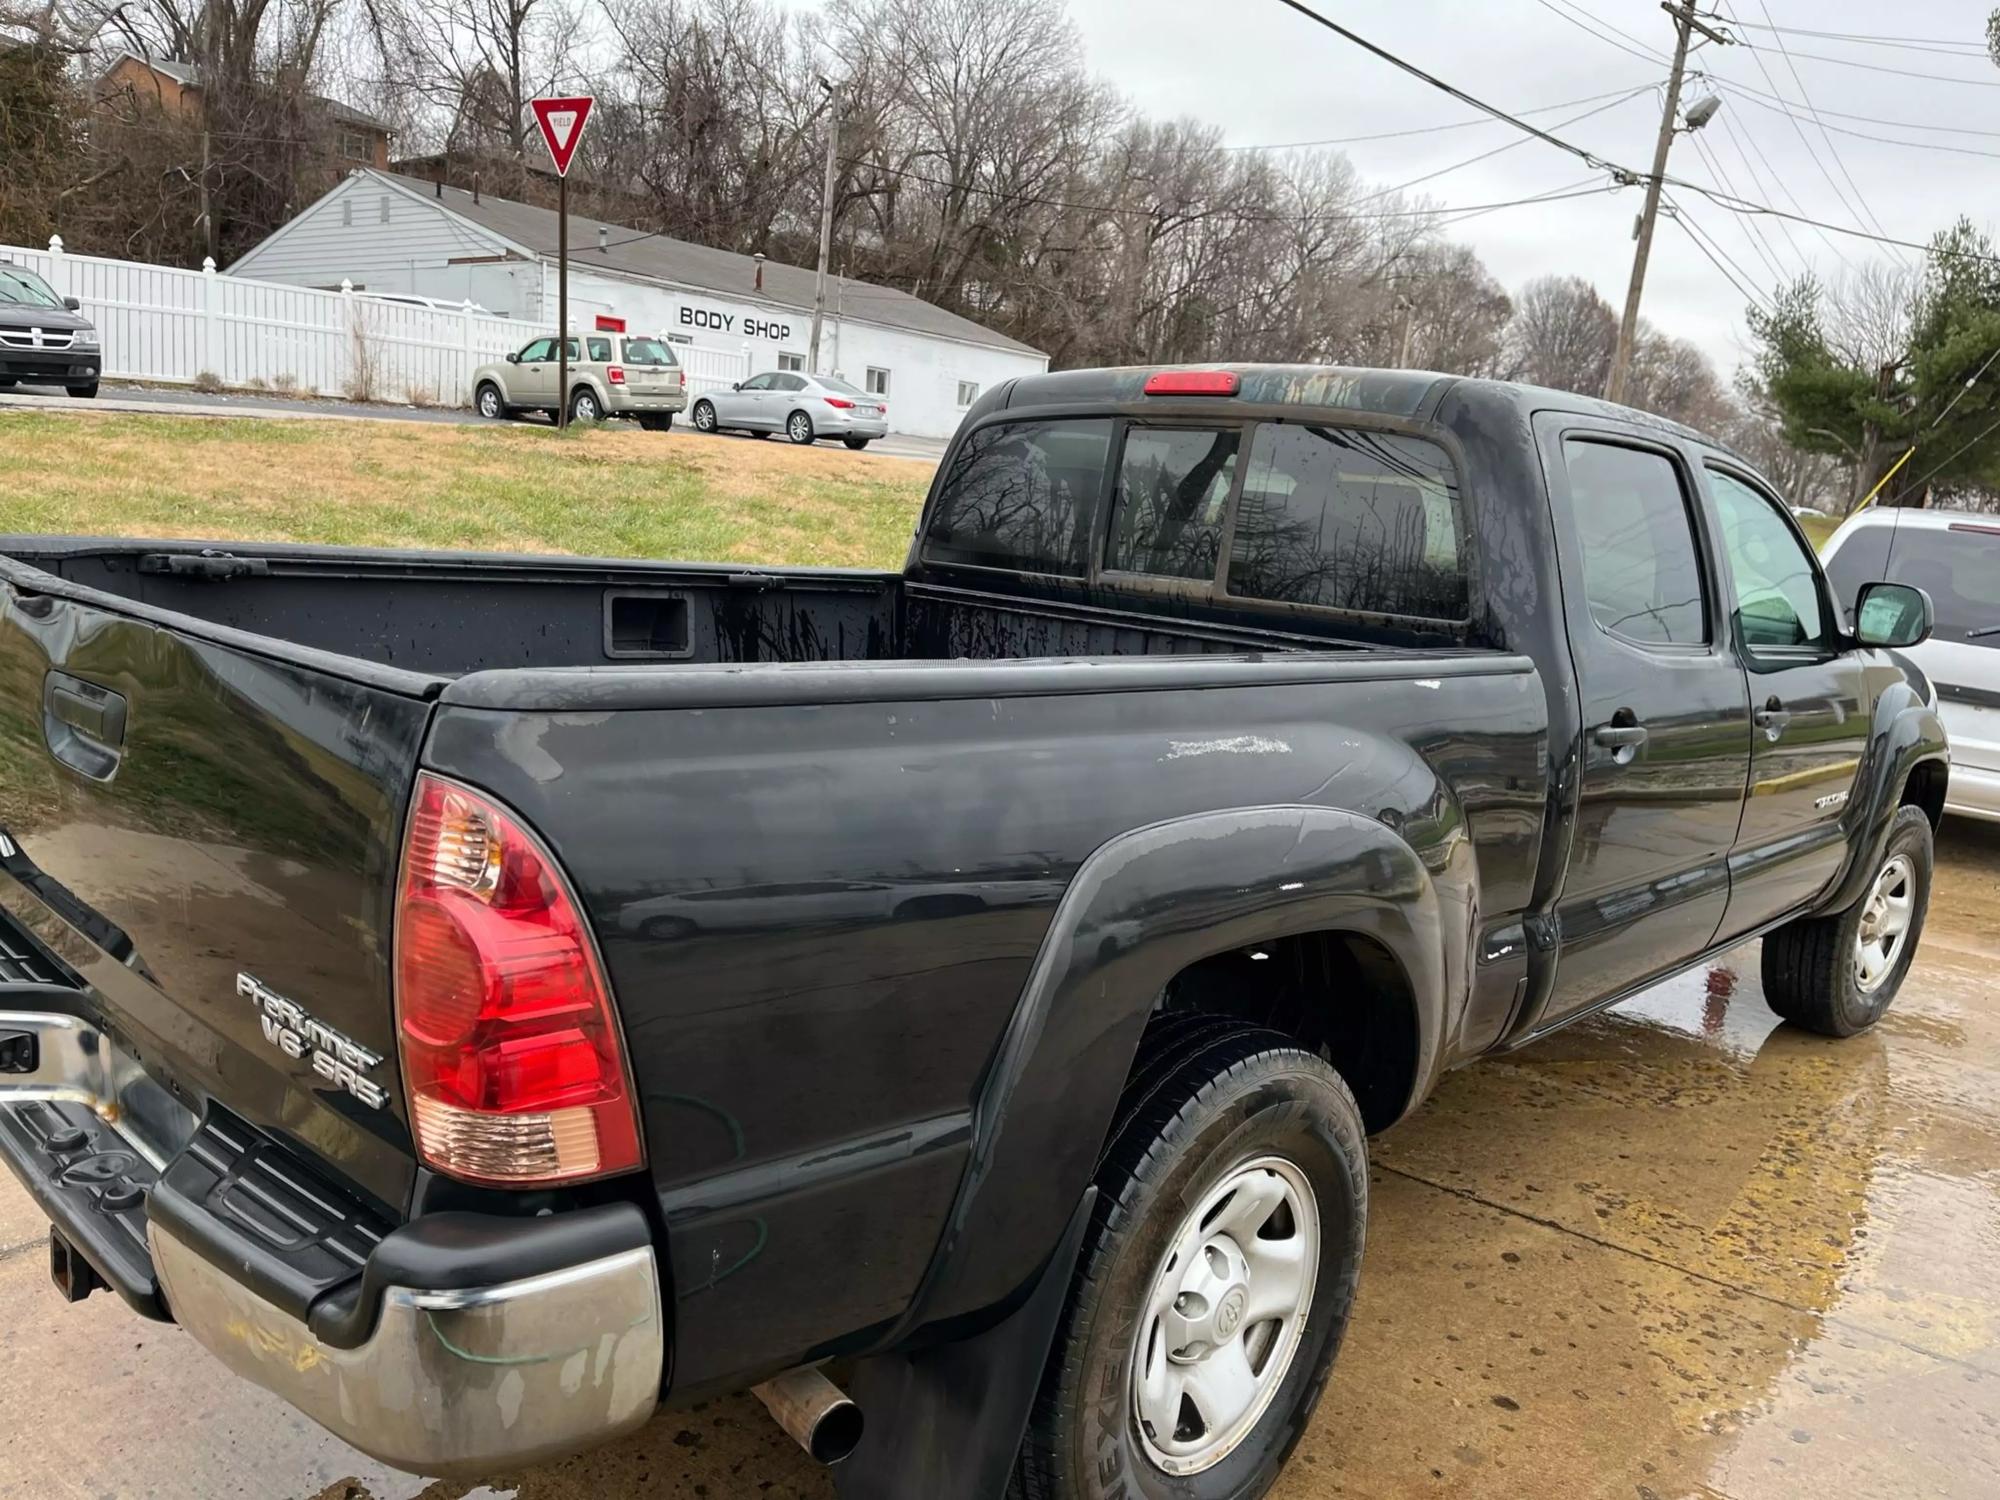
[1676, 1250]
[246, 404]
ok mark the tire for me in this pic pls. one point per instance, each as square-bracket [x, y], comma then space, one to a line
[489, 402]
[584, 405]
[84, 392]
[857, 444]
[656, 421]
[704, 417]
[1212, 1107]
[1814, 974]
[799, 429]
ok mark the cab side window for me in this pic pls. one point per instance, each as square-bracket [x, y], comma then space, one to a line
[1641, 572]
[538, 351]
[1778, 601]
[600, 350]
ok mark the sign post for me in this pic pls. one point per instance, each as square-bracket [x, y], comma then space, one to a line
[561, 122]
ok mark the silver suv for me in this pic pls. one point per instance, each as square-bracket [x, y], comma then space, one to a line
[803, 407]
[610, 375]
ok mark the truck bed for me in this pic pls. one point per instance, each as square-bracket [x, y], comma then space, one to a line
[447, 614]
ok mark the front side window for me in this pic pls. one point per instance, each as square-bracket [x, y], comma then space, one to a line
[1172, 496]
[757, 383]
[1350, 519]
[537, 351]
[1641, 572]
[1022, 495]
[1777, 589]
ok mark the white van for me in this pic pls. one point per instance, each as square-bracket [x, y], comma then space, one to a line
[1954, 556]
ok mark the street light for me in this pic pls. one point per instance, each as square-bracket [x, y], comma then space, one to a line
[1702, 111]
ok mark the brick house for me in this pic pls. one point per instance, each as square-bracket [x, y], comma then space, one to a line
[359, 139]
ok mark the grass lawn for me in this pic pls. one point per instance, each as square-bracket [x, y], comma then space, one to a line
[516, 489]
[1818, 529]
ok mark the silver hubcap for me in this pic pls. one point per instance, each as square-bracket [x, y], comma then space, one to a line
[801, 430]
[1225, 1315]
[586, 409]
[1885, 922]
[489, 404]
[704, 418]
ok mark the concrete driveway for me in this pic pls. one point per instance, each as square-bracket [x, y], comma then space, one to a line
[180, 402]
[1676, 1250]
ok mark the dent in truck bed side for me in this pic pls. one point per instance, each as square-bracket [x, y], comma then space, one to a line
[249, 827]
[820, 891]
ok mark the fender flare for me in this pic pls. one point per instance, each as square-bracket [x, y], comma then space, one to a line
[1908, 733]
[1139, 910]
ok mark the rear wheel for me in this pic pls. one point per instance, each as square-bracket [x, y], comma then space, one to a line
[1215, 1278]
[704, 417]
[799, 427]
[85, 392]
[1838, 974]
[856, 443]
[584, 405]
[657, 421]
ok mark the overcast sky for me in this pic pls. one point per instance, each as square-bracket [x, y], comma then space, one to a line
[1266, 74]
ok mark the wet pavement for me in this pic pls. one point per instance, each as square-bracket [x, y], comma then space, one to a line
[1676, 1250]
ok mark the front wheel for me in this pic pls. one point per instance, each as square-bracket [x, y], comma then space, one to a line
[1838, 974]
[799, 428]
[85, 392]
[704, 417]
[489, 402]
[857, 444]
[1215, 1279]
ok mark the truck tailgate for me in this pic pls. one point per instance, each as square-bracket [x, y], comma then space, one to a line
[202, 825]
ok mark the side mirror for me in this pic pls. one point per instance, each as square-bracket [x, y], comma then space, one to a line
[72, 304]
[1893, 614]
[736, 385]
[513, 357]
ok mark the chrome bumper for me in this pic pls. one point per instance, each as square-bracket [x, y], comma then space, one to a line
[1973, 792]
[451, 1382]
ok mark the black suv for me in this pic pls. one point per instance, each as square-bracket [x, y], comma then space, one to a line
[44, 340]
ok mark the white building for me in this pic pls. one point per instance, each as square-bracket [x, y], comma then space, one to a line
[386, 233]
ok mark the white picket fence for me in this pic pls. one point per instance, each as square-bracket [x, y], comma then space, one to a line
[159, 323]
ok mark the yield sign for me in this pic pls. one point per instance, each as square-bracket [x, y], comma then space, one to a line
[561, 121]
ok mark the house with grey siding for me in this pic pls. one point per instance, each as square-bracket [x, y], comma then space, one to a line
[381, 232]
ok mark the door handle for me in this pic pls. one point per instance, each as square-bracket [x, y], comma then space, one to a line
[1772, 717]
[84, 725]
[1622, 736]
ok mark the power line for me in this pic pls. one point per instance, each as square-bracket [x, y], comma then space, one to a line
[1867, 214]
[1757, 183]
[1712, 248]
[1753, 232]
[1730, 85]
[1884, 140]
[1389, 135]
[1509, 146]
[1849, 62]
[1921, 44]
[1590, 28]
[1622, 174]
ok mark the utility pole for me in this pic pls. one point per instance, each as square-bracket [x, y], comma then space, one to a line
[826, 217]
[1408, 307]
[1685, 22]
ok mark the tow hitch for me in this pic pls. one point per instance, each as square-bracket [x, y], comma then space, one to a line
[71, 1273]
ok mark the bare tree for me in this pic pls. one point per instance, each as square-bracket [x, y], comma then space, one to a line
[1562, 335]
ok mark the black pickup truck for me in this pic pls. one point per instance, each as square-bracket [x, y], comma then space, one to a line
[482, 998]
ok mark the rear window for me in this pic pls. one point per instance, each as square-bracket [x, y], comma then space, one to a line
[1959, 568]
[648, 352]
[838, 386]
[1352, 520]
[1171, 501]
[1022, 495]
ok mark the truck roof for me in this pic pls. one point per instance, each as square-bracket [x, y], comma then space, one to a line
[1400, 393]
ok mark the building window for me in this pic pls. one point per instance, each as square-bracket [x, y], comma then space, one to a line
[382, 207]
[968, 392]
[354, 145]
[346, 213]
[878, 381]
[791, 361]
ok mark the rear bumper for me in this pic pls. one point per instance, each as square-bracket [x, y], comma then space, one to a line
[456, 1344]
[833, 422]
[647, 401]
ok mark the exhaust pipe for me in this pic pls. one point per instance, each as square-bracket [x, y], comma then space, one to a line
[816, 1412]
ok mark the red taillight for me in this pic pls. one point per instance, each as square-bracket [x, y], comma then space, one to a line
[681, 376]
[616, 374]
[512, 1060]
[838, 401]
[1192, 383]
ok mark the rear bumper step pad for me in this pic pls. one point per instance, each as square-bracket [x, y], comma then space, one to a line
[90, 1182]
